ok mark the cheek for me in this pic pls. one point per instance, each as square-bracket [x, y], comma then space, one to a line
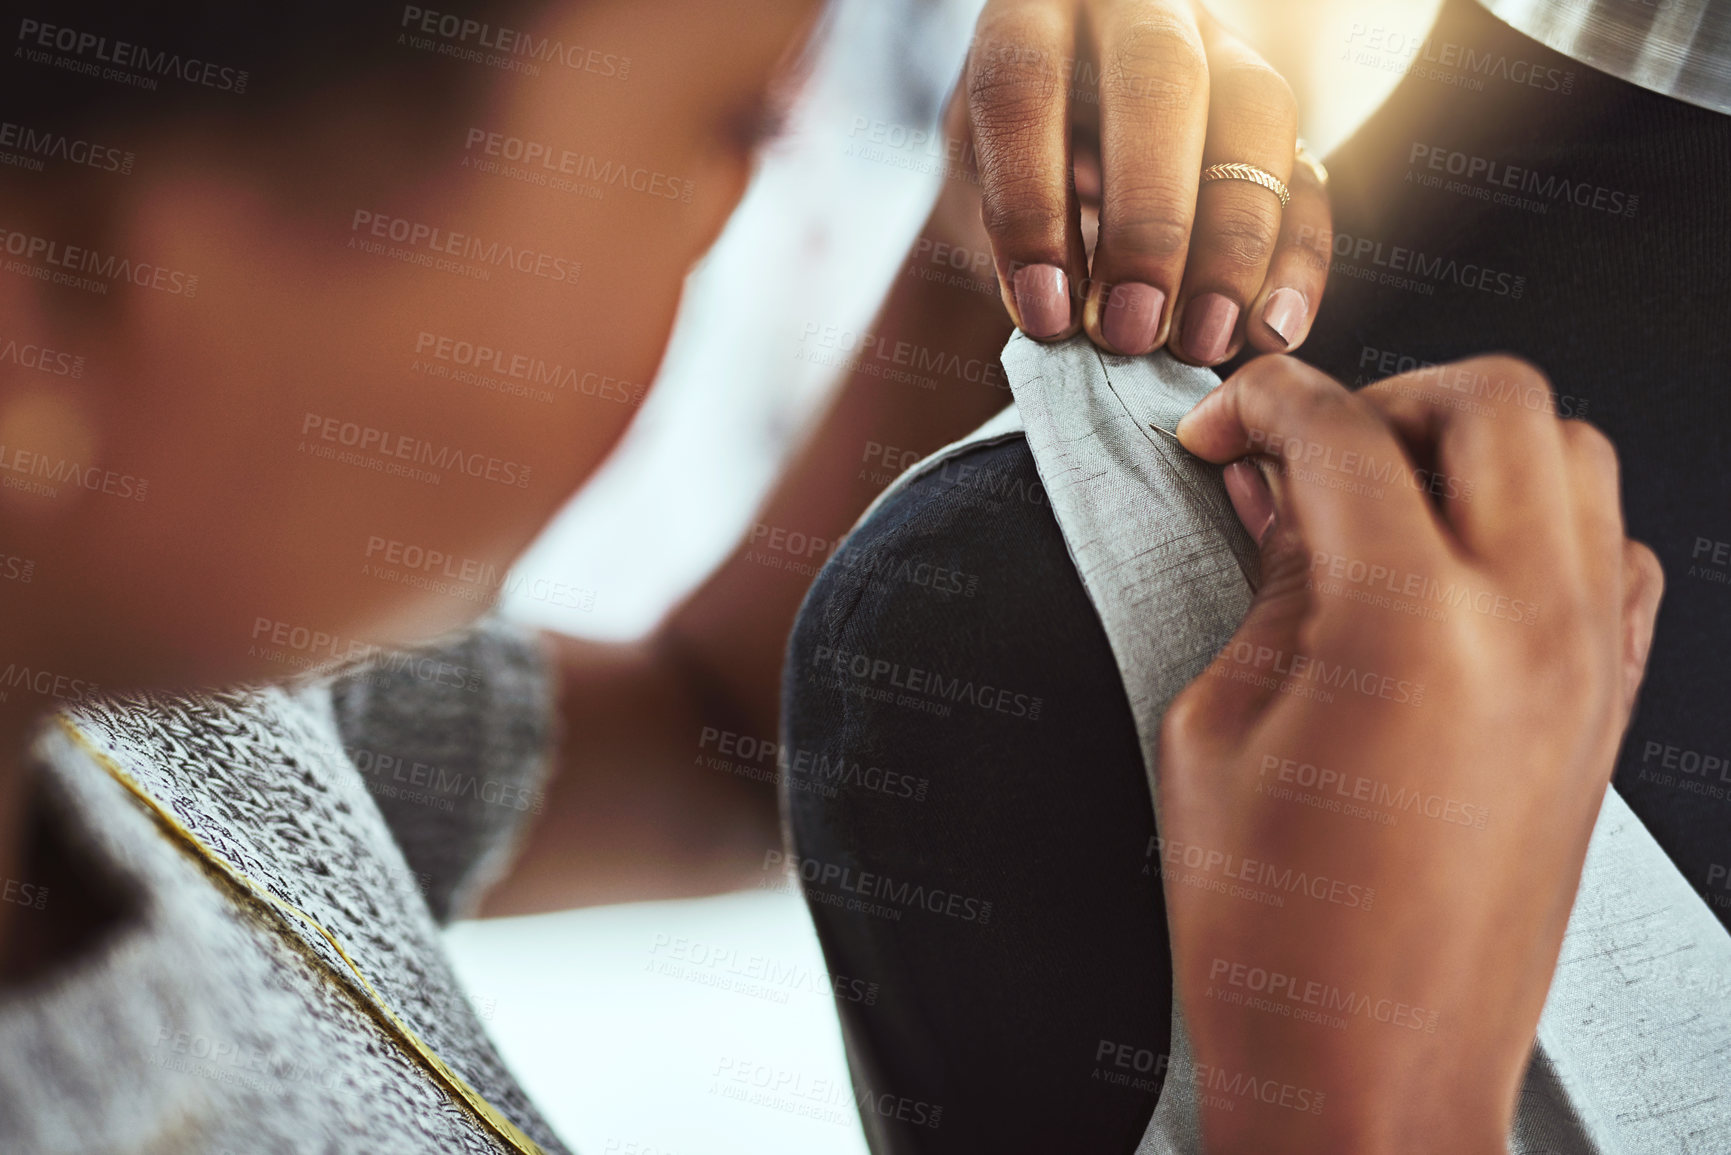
[352, 450]
[350, 434]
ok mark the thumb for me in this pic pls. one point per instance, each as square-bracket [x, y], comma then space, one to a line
[1643, 585]
[1239, 685]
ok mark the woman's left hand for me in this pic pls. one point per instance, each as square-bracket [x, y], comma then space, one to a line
[1127, 102]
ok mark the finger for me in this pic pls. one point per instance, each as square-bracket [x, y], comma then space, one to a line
[1218, 709]
[1252, 500]
[1643, 588]
[1019, 106]
[1252, 120]
[1325, 439]
[1298, 274]
[1488, 427]
[1594, 493]
[1153, 120]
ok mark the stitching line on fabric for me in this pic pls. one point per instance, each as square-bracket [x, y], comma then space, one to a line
[1164, 453]
[490, 1117]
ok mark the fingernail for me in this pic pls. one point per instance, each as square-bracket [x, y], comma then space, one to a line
[1043, 299]
[1132, 317]
[1284, 313]
[1208, 325]
[1251, 498]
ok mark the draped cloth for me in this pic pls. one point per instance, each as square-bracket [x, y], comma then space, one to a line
[1633, 1043]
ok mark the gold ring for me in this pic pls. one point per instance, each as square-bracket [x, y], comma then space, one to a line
[1251, 173]
[1315, 166]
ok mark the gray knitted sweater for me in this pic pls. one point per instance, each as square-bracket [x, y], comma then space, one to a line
[283, 861]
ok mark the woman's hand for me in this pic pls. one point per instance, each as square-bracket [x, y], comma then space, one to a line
[1418, 721]
[1150, 93]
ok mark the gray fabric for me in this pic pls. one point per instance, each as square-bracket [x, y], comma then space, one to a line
[454, 756]
[1636, 1033]
[204, 1023]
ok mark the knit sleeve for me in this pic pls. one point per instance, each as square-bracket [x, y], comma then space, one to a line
[454, 742]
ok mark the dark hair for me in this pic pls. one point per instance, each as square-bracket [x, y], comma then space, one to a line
[79, 64]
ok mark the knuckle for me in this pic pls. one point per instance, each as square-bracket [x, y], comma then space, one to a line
[1184, 727]
[1256, 96]
[1646, 573]
[1152, 231]
[1592, 449]
[1298, 390]
[1514, 380]
[1154, 57]
[1011, 65]
[1240, 232]
[1018, 215]
[1281, 397]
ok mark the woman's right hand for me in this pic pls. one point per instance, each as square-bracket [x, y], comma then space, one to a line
[1460, 580]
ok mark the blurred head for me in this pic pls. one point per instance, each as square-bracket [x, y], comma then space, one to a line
[311, 316]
